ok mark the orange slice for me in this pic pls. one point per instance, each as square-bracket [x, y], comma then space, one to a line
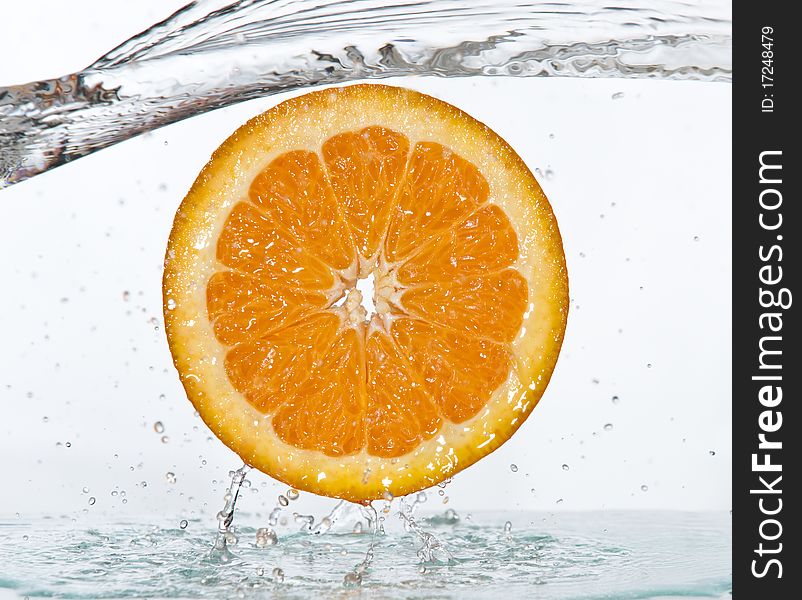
[271, 336]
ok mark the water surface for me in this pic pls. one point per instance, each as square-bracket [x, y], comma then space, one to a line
[571, 555]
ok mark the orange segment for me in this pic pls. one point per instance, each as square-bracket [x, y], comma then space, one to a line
[491, 306]
[440, 190]
[255, 244]
[293, 189]
[269, 370]
[327, 412]
[483, 243]
[365, 168]
[400, 414]
[271, 336]
[241, 307]
[459, 372]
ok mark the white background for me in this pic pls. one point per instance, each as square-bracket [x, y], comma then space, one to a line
[641, 188]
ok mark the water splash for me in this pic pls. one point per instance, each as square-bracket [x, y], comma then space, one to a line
[354, 577]
[213, 53]
[340, 510]
[432, 550]
[633, 554]
[226, 535]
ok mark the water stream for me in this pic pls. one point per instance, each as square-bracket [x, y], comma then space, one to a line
[213, 53]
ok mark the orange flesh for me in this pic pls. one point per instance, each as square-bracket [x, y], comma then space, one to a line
[448, 299]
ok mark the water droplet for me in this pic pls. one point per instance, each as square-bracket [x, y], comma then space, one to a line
[696, 238]
[616, 400]
[514, 468]
[278, 575]
[45, 419]
[388, 495]
[507, 527]
[282, 499]
[565, 467]
[648, 365]
[260, 571]
[68, 444]
[85, 490]
[608, 426]
[126, 296]
[183, 524]
[352, 579]
[92, 500]
[170, 476]
[551, 136]
[421, 497]
[292, 494]
[230, 538]
[24, 538]
[266, 537]
[451, 517]
[644, 488]
[171, 304]
[559, 500]
[165, 439]
[422, 569]
[712, 452]
[358, 527]
[158, 427]
[617, 95]
[306, 521]
[549, 174]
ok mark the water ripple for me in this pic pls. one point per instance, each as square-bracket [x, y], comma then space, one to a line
[558, 556]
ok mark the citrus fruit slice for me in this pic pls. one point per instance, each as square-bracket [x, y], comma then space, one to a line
[271, 335]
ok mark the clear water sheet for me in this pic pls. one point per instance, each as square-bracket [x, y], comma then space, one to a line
[214, 53]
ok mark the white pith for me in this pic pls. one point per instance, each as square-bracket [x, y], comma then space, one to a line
[348, 301]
